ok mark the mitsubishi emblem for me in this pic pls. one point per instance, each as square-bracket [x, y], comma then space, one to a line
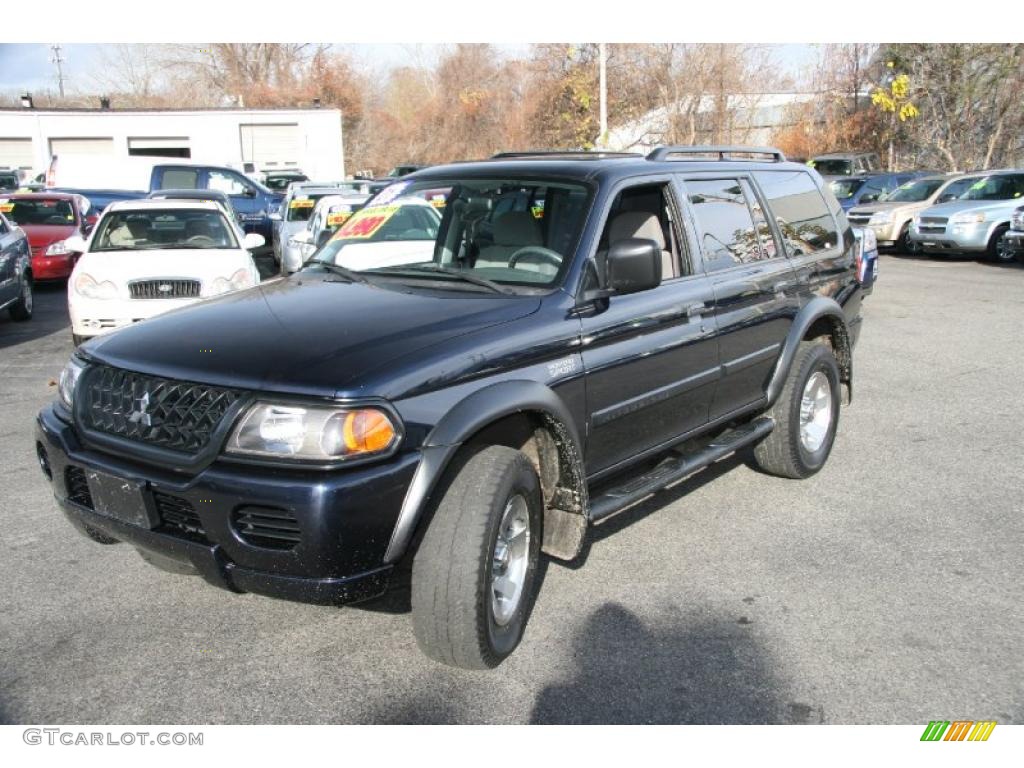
[139, 414]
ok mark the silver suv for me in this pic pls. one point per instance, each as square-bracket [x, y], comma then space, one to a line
[890, 218]
[976, 222]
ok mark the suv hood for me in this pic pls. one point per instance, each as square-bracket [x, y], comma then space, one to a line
[1002, 207]
[901, 207]
[308, 334]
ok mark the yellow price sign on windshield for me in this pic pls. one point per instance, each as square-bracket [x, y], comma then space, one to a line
[6, 206]
[302, 203]
[337, 218]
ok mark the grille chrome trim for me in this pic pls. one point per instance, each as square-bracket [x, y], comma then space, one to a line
[165, 288]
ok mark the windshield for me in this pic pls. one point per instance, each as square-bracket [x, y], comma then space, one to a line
[832, 167]
[155, 229]
[56, 213]
[503, 231]
[300, 207]
[915, 191]
[844, 189]
[1003, 187]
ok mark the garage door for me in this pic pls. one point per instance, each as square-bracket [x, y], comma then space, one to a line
[16, 153]
[64, 147]
[271, 146]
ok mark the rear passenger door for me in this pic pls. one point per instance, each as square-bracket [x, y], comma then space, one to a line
[651, 357]
[755, 288]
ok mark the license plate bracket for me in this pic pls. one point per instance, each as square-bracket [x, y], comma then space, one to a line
[119, 499]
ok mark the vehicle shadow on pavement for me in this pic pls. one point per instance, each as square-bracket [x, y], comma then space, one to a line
[707, 672]
[49, 316]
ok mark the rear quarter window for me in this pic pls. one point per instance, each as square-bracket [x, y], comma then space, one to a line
[801, 212]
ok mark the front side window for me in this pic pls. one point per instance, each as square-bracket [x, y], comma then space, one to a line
[491, 232]
[56, 213]
[1002, 187]
[228, 183]
[728, 235]
[163, 229]
[800, 211]
[844, 189]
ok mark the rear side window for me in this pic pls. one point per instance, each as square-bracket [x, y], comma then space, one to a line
[180, 178]
[800, 210]
[728, 236]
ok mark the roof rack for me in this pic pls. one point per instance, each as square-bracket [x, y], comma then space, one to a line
[554, 153]
[723, 152]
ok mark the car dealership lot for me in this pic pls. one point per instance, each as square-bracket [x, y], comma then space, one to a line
[884, 589]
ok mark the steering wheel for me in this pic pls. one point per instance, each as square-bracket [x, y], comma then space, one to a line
[547, 256]
[201, 240]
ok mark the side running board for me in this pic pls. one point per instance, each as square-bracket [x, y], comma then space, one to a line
[677, 467]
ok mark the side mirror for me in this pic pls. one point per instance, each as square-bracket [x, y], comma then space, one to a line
[87, 227]
[253, 240]
[75, 244]
[633, 265]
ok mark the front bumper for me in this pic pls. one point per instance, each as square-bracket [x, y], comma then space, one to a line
[52, 267]
[1015, 241]
[94, 317]
[957, 238]
[344, 518]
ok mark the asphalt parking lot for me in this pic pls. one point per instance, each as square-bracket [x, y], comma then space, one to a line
[886, 589]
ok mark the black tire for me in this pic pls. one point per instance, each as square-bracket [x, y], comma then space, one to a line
[79, 340]
[21, 310]
[905, 245]
[452, 613]
[998, 249]
[783, 453]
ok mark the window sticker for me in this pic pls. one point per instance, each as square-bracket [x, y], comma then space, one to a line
[438, 201]
[337, 218]
[391, 192]
[6, 206]
[979, 184]
[366, 222]
[537, 209]
[301, 202]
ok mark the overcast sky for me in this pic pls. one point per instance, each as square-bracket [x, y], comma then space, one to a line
[28, 66]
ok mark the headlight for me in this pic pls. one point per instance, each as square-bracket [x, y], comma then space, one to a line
[87, 286]
[882, 217]
[967, 218]
[60, 248]
[313, 433]
[241, 279]
[68, 380]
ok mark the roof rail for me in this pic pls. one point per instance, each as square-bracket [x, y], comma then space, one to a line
[570, 153]
[723, 152]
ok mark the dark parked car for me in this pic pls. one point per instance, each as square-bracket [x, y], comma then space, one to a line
[835, 164]
[15, 271]
[868, 188]
[457, 416]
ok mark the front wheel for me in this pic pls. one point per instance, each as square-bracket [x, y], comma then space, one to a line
[999, 246]
[806, 415]
[474, 572]
[906, 245]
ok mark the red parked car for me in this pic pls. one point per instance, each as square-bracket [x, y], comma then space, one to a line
[48, 219]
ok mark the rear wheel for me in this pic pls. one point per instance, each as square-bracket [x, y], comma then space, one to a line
[806, 415]
[473, 574]
[21, 310]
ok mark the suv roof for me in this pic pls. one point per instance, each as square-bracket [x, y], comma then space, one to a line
[585, 165]
[842, 155]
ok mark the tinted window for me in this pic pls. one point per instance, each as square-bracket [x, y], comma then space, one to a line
[180, 178]
[228, 183]
[59, 213]
[1005, 187]
[727, 229]
[800, 210]
[832, 167]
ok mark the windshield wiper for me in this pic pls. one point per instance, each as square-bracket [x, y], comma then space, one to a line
[456, 273]
[350, 275]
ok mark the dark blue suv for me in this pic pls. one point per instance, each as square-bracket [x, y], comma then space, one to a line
[572, 333]
[855, 190]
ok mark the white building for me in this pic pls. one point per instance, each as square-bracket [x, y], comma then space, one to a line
[308, 139]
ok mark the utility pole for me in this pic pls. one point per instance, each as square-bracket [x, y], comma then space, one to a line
[603, 67]
[58, 61]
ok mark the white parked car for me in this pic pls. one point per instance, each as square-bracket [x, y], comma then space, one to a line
[396, 232]
[146, 257]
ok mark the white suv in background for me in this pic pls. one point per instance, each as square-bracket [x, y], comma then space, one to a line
[146, 257]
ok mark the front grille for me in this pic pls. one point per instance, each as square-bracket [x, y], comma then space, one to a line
[78, 487]
[932, 225]
[178, 516]
[267, 527]
[164, 289]
[858, 219]
[170, 414]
